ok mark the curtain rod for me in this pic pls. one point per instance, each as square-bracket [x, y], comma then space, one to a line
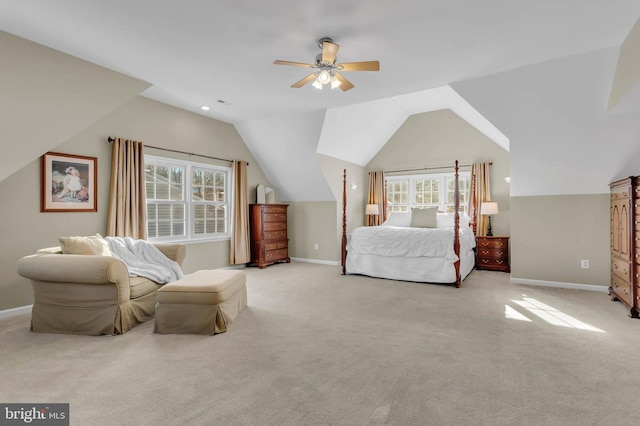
[430, 168]
[110, 139]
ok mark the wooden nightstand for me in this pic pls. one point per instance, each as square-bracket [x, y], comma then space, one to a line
[492, 253]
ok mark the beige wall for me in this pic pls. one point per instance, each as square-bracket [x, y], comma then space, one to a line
[439, 138]
[551, 234]
[321, 222]
[334, 172]
[308, 225]
[47, 96]
[25, 229]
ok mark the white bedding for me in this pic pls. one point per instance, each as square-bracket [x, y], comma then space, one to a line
[409, 254]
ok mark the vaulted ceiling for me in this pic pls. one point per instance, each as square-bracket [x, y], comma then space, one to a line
[433, 54]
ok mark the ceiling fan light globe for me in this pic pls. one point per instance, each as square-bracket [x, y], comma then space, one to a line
[324, 77]
[317, 84]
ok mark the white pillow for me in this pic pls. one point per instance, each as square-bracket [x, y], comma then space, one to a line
[446, 220]
[398, 219]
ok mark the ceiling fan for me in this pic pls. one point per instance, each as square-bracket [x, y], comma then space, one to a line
[327, 71]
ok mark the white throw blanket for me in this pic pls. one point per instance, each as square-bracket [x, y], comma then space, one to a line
[143, 259]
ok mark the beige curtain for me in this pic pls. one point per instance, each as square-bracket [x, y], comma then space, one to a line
[479, 192]
[377, 195]
[127, 215]
[239, 245]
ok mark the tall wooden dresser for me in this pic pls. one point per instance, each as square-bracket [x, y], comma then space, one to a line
[269, 241]
[625, 243]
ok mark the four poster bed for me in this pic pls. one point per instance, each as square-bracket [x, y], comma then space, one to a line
[441, 253]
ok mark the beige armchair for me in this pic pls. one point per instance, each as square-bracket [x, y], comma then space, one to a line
[89, 294]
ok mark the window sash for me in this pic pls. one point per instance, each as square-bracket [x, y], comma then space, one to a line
[203, 212]
[426, 190]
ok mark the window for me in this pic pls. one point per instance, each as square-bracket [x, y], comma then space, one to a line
[187, 200]
[405, 192]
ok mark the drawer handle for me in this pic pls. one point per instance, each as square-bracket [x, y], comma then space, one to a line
[624, 271]
[500, 253]
[499, 261]
[485, 260]
[615, 265]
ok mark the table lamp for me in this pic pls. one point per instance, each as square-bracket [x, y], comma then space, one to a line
[488, 208]
[371, 210]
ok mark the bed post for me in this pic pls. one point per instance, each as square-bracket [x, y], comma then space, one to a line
[471, 201]
[456, 227]
[344, 222]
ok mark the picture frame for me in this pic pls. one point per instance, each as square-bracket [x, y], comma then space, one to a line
[69, 183]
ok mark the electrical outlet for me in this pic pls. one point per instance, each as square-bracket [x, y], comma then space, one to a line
[584, 263]
[315, 246]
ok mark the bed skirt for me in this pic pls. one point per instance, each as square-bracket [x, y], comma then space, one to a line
[417, 269]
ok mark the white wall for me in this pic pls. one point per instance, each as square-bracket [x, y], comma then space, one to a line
[554, 113]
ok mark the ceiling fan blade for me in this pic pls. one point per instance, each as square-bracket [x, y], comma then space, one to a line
[297, 64]
[345, 84]
[329, 51]
[361, 66]
[304, 81]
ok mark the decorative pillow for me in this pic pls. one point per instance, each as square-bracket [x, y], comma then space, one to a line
[95, 245]
[398, 219]
[424, 218]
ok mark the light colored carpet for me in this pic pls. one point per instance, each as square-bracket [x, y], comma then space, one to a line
[317, 348]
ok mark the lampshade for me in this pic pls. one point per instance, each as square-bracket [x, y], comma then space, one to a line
[489, 208]
[317, 84]
[372, 209]
[335, 82]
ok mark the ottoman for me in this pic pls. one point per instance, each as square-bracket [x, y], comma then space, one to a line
[204, 302]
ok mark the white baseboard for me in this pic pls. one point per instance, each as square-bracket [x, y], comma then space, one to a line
[559, 284]
[7, 313]
[321, 262]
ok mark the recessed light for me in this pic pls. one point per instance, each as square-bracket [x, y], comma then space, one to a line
[205, 108]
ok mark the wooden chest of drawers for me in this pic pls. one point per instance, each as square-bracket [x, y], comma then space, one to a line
[269, 241]
[625, 243]
[492, 253]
